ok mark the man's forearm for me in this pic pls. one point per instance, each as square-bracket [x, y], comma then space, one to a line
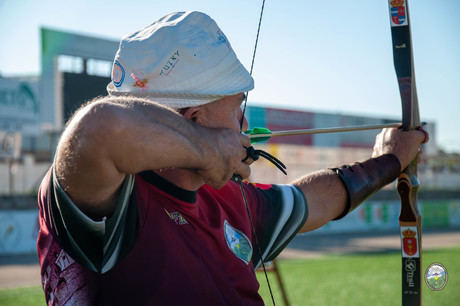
[113, 137]
[149, 136]
[326, 197]
[332, 194]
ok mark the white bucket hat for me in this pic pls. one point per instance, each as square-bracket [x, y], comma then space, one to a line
[181, 60]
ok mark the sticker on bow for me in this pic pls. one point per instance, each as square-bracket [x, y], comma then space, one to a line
[398, 9]
[409, 242]
[176, 217]
[238, 243]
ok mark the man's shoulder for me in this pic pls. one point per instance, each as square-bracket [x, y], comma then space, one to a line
[45, 185]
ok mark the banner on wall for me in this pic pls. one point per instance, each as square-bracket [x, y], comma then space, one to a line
[18, 231]
[382, 216]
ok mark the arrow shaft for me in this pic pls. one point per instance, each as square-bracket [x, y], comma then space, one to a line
[326, 130]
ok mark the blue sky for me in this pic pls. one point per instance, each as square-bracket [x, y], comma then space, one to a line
[327, 55]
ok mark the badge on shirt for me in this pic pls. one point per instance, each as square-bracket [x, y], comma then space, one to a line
[176, 217]
[238, 243]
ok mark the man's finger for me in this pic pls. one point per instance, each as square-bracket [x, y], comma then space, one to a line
[251, 155]
[243, 170]
[425, 133]
[245, 141]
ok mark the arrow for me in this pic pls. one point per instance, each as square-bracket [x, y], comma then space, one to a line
[262, 134]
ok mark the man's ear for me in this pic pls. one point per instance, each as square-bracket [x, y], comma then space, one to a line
[192, 113]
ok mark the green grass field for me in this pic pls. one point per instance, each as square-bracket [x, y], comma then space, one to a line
[359, 280]
[331, 280]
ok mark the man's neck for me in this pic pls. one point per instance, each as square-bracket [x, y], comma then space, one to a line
[183, 178]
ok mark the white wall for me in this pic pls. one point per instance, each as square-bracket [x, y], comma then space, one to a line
[27, 175]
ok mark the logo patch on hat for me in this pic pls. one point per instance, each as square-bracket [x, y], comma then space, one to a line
[118, 74]
[170, 64]
[238, 243]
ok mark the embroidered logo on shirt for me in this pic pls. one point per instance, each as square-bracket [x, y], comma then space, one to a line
[176, 217]
[63, 261]
[238, 243]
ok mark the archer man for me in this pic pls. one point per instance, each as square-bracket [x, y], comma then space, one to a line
[139, 207]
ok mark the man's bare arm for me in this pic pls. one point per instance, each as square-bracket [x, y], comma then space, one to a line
[325, 192]
[113, 137]
[326, 198]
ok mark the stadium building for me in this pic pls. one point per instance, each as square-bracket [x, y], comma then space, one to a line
[76, 68]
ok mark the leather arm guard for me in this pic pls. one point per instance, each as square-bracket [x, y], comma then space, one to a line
[361, 180]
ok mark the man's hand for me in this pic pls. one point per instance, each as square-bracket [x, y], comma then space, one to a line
[224, 158]
[403, 144]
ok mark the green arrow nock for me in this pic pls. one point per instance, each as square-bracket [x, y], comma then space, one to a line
[258, 131]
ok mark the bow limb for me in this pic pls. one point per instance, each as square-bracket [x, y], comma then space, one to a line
[408, 184]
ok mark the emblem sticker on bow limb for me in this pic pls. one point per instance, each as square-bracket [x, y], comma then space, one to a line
[409, 241]
[398, 9]
[238, 243]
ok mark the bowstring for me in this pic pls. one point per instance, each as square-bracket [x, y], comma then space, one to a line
[256, 242]
[253, 60]
[240, 180]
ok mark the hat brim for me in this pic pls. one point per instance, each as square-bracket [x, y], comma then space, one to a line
[173, 100]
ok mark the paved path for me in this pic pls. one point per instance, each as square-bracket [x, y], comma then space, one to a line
[23, 270]
[19, 271]
[316, 245]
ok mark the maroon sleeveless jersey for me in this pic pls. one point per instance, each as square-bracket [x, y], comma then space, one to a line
[193, 248]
